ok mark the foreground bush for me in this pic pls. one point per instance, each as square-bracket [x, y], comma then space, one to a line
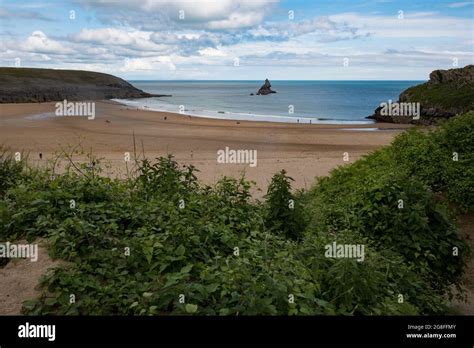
[442, 159]
[11, 170]
[397, 197]
[160, 243]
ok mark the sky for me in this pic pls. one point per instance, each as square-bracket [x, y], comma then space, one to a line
[240, 39]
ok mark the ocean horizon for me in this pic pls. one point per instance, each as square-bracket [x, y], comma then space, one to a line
[296, 101]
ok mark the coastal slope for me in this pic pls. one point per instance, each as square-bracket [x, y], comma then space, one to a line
[30, 85]
[446, 94]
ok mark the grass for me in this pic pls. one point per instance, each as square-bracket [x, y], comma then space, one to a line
[446, 96]
[60, 76]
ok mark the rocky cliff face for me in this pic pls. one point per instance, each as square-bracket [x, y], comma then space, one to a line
[28, 85]
[446, 94]
[460, 77]
[266, 88]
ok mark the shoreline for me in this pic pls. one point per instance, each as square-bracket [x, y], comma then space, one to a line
[238, 116]
[341, 124]
[305, 151]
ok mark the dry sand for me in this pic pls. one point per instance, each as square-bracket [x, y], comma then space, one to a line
[465, 224]
[19, 279]
[304, 151]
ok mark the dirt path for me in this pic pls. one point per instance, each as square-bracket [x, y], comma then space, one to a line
[466, 226]
[20, 277]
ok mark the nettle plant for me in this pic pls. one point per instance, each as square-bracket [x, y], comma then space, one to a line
[283, 208]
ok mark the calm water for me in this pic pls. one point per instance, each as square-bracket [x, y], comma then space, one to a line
[318, 101]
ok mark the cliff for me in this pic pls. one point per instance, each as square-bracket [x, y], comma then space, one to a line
[29, 85]
[446, 94]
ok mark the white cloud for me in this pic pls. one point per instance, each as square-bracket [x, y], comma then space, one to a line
[460, 4]
[237, 20]
[136, 64]
[212, 52]
[150, 65]
[321, 29]
[38, 42]
[212, 14]
[135, 39]
[413, 25]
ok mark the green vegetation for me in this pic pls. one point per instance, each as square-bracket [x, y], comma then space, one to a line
[444, 96]
[443, 160]
[32, 85]
[283, 214]
[69, 76]
[10, 170]
[134, 246]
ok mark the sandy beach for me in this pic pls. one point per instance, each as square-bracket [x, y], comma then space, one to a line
[305, 151]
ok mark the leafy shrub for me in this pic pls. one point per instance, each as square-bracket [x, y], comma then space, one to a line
[431, 157]
[165, 178]
[283, 209]
[11, 171]
[392, 198]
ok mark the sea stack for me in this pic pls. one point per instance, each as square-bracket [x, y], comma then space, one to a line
[265, 89]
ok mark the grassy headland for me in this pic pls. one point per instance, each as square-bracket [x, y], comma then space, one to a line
[32, 85]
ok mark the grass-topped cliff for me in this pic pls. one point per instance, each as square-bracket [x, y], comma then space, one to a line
[446, 94]
[29, 85]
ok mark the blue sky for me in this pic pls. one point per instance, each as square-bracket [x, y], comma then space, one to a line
[240, 39]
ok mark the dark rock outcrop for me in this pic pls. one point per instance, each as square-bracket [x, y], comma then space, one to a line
[266, 88]
[29, 85]
[446, 94]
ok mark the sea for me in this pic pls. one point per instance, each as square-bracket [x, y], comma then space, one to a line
[330, 102]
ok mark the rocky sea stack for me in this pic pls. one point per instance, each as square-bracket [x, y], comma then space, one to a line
[29, 85]
[266, 88]
[446, 94]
